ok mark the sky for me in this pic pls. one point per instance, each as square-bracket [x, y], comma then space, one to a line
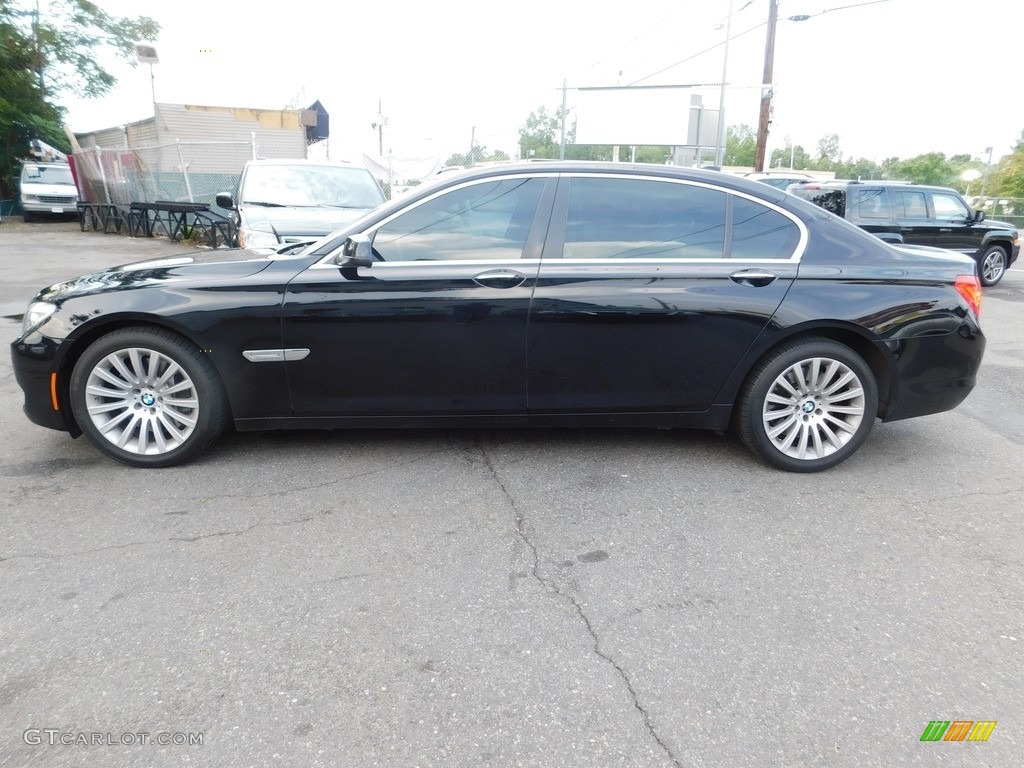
[891, 78]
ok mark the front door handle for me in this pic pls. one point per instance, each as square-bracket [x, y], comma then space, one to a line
[500, 278]
[753, 277]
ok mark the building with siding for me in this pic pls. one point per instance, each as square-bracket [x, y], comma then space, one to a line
[187, 151]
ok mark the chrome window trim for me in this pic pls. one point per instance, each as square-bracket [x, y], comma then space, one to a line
[326, 262]
[798, 252]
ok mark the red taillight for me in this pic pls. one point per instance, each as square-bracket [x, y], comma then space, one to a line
[969, 287]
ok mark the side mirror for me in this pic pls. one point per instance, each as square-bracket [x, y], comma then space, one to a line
[979, 216]
[224, 200]
[356, 252]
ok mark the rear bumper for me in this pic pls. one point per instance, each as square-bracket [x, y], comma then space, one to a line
[934, 373]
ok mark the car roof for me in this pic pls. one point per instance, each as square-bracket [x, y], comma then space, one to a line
[302, 161]
[738, 183]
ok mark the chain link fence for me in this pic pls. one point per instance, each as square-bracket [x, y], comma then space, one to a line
[185, 171]
[1008, 209]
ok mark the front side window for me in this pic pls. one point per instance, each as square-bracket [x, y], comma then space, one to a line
[487, 220]
[950, 208]
[911, 205]
[612, 218]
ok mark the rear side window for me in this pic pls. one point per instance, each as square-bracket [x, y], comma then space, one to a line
[832, 200]
[758, 232]
[611, 218]
[872, 205]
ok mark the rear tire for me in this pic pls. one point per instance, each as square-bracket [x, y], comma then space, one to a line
[147, 398]
[992, 265]
[808, 406]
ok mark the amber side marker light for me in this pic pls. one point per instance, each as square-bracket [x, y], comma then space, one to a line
[53, 391]
[969, 287]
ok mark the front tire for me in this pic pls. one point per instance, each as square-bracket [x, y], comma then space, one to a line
[147, 398]
[808, 406]
[992, 265]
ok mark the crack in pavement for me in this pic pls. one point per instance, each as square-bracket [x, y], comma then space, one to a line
[191, 539]
[176, 539]
[329, 483]
[551, 586]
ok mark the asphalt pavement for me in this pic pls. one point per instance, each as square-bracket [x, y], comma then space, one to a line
[508, 598]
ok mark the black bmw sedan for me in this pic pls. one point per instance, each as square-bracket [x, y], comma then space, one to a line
[559, 294]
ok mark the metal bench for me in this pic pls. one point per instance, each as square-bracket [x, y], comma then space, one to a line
[179, 221]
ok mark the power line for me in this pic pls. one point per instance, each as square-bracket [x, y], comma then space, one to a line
[699, 53]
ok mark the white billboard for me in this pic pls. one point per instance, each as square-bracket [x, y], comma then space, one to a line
[649, 115]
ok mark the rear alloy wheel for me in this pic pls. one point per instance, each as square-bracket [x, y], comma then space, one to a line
[992, 265]
[147, 397]
[808, 406]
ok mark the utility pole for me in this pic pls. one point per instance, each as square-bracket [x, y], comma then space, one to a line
[720, 138]
[471, 158]
[766, 87]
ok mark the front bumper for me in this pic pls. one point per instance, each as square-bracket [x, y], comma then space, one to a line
[34, 365]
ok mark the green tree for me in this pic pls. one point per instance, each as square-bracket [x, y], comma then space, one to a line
[539, 139]
[931, 168]
[540, 136]
[862, 168]
[781, 158]
[43, 56]
[1007, 179]
[740, 146]
[829, 154]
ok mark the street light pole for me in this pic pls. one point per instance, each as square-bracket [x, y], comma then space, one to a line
[720, 138]
[766, 86]
[988, 168]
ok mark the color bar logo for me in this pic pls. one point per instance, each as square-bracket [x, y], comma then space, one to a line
[958, 730]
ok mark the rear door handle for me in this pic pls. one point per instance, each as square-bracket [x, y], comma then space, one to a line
[753, 277]
[500, 278]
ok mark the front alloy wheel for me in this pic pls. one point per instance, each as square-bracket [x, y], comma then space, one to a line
[147, 398]
[808, 406]
[992, 266]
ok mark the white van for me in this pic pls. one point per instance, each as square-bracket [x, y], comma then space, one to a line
[47, 188]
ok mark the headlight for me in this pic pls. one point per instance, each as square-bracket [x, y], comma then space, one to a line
[36, 314]
[254, 238]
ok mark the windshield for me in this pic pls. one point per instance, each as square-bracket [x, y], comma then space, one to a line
[311, 185]
[47, 174]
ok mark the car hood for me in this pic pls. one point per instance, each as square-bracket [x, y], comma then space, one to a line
[201, 266]
[298, 222]
[995, 224]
